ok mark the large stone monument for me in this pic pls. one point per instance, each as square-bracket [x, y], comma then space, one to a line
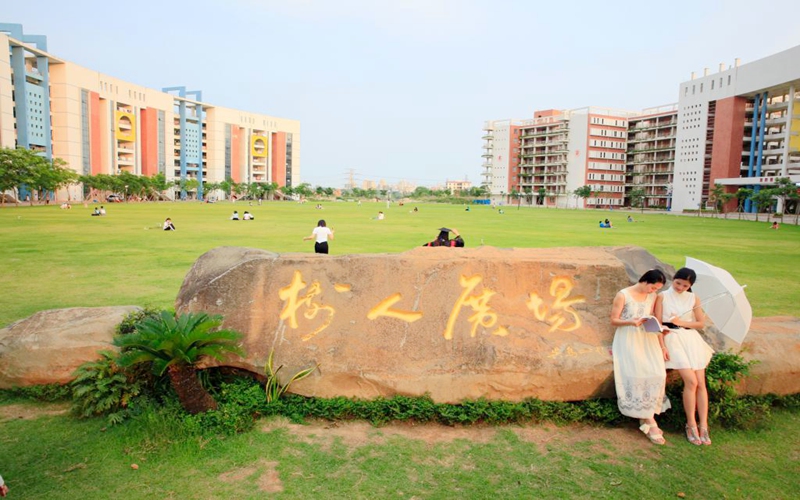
[453, 323]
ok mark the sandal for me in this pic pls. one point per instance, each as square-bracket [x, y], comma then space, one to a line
[704, 437]
[692, 437]
[654, 437]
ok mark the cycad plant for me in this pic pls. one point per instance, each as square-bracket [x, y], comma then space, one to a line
[175, 345]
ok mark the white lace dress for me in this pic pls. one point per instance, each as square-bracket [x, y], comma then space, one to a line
[639, 372]
[686, 347]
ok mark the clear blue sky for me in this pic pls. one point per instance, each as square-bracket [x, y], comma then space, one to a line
[400, 89]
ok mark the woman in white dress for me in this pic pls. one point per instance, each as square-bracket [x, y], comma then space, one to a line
[639, 373]
[680, 310]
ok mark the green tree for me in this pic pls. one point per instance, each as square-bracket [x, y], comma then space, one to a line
[540, 195]
[715, 193]
[637, 196]
[159, 184]
[50, 176]
[584, 192]
[421, 192]
[763, 200]
[529, 195]
[287, 191]
[786, 191]
[175, 345]
[227, 186]
[16, 169]
[720, 197]
[742, 194]
[304, 190]
[515, 195]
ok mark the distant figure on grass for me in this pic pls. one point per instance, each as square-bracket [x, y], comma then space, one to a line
[444, 240]
[247, 216]
[168, 225]
[775, 225]
[630, 219]
[679, 309]
[380, 216]
[102, 210]
[65, 206]
[640, 374]
[96, 212]
[235, 215]
[321, 234]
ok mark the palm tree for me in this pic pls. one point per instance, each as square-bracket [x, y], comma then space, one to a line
[175, 345]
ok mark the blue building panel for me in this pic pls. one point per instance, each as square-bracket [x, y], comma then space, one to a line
[37, 111]
[193, 144]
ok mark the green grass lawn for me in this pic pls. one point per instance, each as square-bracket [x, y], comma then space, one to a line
[53, 457]
[55, 258]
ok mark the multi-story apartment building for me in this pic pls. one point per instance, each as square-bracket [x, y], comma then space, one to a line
[738, 127]
[457, 186]
[550, 156]
[500, 157]
[101, 124]
[651, 155]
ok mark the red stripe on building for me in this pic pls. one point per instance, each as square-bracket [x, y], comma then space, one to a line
[149, 132]
[236, 154]
[95, 141]
[726, 152]
[279, 158]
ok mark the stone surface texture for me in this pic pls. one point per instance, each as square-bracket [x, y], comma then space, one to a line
[453, 323]
[48, 346]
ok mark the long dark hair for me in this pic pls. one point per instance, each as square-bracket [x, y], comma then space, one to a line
[685, 273]
[653, 276]
[321, 223]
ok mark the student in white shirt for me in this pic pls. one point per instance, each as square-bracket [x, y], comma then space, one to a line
[321, 234]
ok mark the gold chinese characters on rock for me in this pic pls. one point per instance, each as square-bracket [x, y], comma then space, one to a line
[305, 309]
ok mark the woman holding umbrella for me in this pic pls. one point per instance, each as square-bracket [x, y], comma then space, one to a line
[679, 309]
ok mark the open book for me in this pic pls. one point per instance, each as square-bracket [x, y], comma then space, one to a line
[652, 325]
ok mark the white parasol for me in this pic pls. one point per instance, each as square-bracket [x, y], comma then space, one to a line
[722, 298]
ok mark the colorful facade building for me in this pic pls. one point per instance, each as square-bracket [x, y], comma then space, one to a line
[550, 156]
[739, 127]
[101, 124]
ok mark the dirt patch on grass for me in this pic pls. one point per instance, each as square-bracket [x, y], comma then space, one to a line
[357, 434]
[31, 412]
[268, 479]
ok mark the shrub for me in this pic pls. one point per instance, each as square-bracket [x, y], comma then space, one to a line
[102, 388]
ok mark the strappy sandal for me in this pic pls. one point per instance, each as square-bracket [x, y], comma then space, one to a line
[654, 437]
[704, 437]
[692, 437]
